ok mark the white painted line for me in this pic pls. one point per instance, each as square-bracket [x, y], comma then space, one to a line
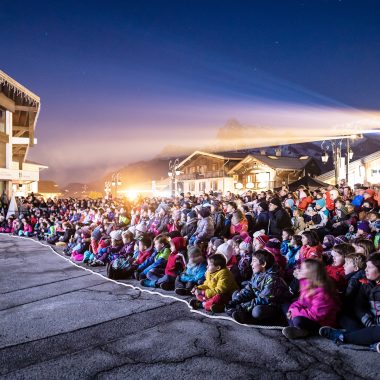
[148, 291]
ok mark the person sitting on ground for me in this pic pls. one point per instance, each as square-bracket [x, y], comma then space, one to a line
[367, 308]
[218, 287]
[354, 266]
[260, 300]
[153, 268]
[287, 234]
[194, 273]
[205, 227]
[175, 264]
[189, 228]
[317, 304]
[336, 270]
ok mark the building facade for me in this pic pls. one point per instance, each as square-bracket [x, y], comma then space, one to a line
[261, 172]
[365, 170]
[202, 172]
[19, 110]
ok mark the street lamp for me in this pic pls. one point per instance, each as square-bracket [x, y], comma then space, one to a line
[115, 181]
[336, 148]
[173, 173]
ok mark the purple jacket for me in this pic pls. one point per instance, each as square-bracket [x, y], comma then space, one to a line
[320, 307]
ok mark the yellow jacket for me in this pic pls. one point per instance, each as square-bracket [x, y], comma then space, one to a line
[220, 282]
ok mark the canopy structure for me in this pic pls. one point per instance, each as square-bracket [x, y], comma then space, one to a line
[307, 181]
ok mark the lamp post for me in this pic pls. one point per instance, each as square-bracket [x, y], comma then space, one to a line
[116, 181]
[336, 148]
[107, 188]
[173, 173]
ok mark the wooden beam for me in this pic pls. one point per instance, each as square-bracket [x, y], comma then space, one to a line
[21, 128]
[4, 137]
[26, 108]
[31, 129]
[7, 103]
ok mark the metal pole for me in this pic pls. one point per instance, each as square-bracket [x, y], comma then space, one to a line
[347, 159]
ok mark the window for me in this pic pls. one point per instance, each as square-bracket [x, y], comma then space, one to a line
[202, 186]
[214, 185]
[214, 167]
[191, 186]
[2, 120]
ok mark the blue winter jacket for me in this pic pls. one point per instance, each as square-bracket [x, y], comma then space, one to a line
[194, 274]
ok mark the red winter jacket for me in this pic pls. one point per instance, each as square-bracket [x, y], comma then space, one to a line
[338, 276]
[314, 252]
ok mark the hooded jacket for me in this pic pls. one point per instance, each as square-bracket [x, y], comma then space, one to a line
[264, 288]
[320, 306]
[220, 282]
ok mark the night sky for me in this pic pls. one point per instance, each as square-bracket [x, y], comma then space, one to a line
[120, 80]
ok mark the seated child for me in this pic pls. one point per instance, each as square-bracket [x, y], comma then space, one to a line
[367, 308]
[194, 273]
[287, 234]
[245, 258]
[153, 268]
[336, 270]
[216, 291]
[175, 264]
[317, 304]
[261, 298]
[292, 256]
[354, 265]
[124, 266]
[111, 252]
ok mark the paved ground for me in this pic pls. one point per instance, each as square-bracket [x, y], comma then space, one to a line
[59, 321]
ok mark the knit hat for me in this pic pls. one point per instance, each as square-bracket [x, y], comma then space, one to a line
[273, 246]
[262, 239]
[340, 239]
[192, 214]
[96, 234]
[164, 206]
[244, 246]
[258, 233]
[377, 224]
[289, 203]
[364, 226]
[141, 227]
[116, 235]
[276, 202]
[320, 202]
[226, 250]
[264, 206]
[244, 235]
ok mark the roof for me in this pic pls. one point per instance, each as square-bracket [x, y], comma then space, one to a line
[222, 156]
[42, 166]
[309, 182]
[275, 162]
[18, 88]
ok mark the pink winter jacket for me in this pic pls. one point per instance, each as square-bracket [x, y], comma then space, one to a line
[320, 307]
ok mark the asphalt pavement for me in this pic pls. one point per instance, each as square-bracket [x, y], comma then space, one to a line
[61, 321]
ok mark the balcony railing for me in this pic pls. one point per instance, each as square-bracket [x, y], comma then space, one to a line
[212, 174]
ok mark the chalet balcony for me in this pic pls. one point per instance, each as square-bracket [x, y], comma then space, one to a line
[212, 174]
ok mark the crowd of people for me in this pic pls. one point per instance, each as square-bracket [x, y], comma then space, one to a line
[309, 260]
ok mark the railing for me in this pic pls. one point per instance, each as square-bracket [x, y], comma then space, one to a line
[213, 174]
